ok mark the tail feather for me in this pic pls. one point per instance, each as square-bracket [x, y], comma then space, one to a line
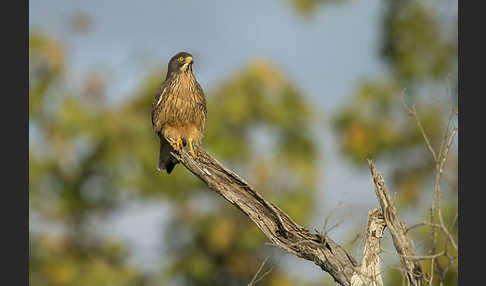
[166, 162]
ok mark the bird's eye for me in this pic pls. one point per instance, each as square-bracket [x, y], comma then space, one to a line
[181, 59]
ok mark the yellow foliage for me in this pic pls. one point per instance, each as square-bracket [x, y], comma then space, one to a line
[221, 235]
[280, 280]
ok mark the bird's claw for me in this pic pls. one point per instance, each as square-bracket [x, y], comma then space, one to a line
[193, 154]
[176, 144]
[191, 150]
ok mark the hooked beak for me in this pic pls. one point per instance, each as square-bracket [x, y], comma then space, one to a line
[188, 60]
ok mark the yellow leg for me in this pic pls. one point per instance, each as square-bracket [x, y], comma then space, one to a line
[191, 150]
[177, 144]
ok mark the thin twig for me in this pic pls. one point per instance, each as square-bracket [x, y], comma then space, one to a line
[412, 111]
[432, 271]
[254, 280]
[326, 231]
[424, 223]
[414, 257]
[440, 161]
[453, 222]
[424, 257]
[443, 158]
[333, 227]
[451, 261]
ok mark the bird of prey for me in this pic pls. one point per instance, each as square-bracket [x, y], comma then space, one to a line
[178, 110]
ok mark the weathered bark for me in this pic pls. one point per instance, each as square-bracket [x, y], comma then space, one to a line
[402, 242]
[277, 226]
[370, 264]
[284, 233]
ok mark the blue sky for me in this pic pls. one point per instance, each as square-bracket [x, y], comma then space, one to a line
[326, 57]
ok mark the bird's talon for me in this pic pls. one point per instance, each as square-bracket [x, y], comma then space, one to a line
[179, 144]
[193, 154]
[191, 150]
[176, 144]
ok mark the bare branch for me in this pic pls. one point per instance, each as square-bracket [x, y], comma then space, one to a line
[370, 265]
[415, 257]
[317, 247]
[424, 223]
[431, 280]
[333, 227]
[453, 222]
[412, 111]
[451, 261]
[424, 257]
[440, 161]
[403, 244]
[255, 280]
[326, 230]
[439, 170]
[276, 225]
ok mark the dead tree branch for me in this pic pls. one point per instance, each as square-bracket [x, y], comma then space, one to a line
[413, 112]
[317, 247]
[440, 158]
[370, 265]
[277, 226]
[256, 277]
[402, 242]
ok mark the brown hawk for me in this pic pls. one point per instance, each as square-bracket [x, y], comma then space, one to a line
[178, 110]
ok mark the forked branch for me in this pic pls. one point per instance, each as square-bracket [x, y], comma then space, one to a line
[319, 248]
[277, 226]
[402, 242]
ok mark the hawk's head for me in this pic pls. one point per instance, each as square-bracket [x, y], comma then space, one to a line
[180, 63]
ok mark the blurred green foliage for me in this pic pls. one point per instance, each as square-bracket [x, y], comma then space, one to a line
[87, 157]
[415, 45]
[421, 54]
[419, 47]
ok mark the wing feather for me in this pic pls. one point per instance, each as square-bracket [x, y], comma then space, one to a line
[158, 105]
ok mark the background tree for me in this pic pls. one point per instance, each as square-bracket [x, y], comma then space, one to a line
[91, 159]
[87, 156]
